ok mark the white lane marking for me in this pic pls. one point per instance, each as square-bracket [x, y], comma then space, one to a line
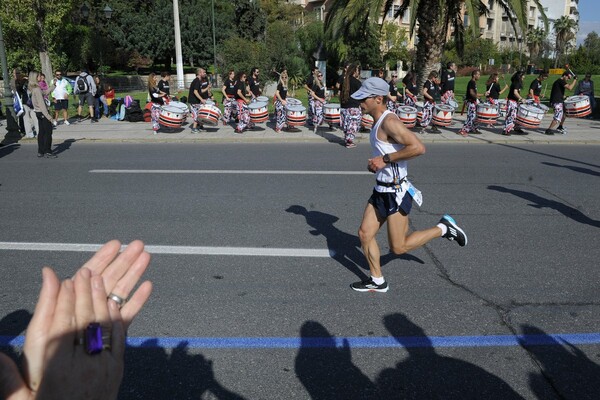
[211, 171]
[188, 250]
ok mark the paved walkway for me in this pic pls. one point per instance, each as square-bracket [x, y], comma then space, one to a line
[580, 131]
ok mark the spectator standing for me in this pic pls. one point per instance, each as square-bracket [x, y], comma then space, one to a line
[100, 104]
[85, 88]
[60, 97]
[586, 88]
[43, 116]
[157, 100]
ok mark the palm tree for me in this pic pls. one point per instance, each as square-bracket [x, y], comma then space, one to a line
[535, 40]
[431, 19]
[564, 29]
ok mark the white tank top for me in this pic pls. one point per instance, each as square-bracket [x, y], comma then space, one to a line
[392, 173]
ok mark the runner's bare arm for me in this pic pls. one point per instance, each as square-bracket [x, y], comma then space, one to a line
[392, 130]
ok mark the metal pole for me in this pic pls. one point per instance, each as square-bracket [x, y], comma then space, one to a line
[178, 53]
[214, 41]
[12, 126]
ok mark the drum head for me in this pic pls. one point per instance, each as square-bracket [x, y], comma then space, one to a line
[293, 102]
[171, 109]
[296, 108]
[332, 105]
[257, 104]
[576, 99]
[263, 99]
[444, 107]
[453, 103]
[407, 109]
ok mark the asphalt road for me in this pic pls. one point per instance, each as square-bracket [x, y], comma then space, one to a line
[260, 306]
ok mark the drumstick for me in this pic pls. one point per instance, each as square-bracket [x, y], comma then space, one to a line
[571, 72]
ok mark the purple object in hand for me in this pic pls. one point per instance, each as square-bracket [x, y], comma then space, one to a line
[93, 338]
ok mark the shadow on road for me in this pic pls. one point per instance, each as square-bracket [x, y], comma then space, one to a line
[64, 146]
[542, 202]
[343, 247]
[8, 149]
[574, 168]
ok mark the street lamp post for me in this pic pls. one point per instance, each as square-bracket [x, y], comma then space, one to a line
[12, 127]
[178, 52]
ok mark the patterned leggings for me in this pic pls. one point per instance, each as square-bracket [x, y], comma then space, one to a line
[558, 112]
[427, 114]
[155, 115]
[351, 125]
[511, 115]
[311, 105]
[229, 108]
[392, 106]
[409, 101]
[317, 112]
[243, 114]
[280, 115]
[470, 124]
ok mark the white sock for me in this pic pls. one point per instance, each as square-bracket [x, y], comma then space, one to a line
[378, 281]
[443, 227]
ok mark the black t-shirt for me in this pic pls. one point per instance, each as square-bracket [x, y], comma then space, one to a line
[514, 86]
[203, 86]
[393, 89]
[536, 86]
[282, 91]
[164, 87]
[432, 89]
[410, 87]
[241, 87]
[229, 87]
[319, 90]
[558, 91]
[155, 100]
[494, 90]
[195, 85]
[310, 80]
[354, 86]
[254, 86]
[447, 82]
[471, 86]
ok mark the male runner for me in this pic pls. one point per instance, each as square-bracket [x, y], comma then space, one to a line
[393, 145]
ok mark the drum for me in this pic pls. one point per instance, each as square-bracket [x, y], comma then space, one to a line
[419, 105]
[259, 112]
[408, 116]
[171, 117]
[578, 106]
[262, 99]
[209, 113]
[366, 121]
[543, 107]
[502, 107]
[453, 103]
[529, 116]
[180, 105]
[442, 115]
[290, 101]
[296, 115]
[487, 113]
[331, 113]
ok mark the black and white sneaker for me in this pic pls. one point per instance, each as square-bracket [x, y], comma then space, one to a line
[454, 232]
[561, 130]
[370, 286]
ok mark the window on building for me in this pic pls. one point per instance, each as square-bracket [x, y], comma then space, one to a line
[490, 24]
[531, 12]
[406, 17]
[466, 21]
[392, 11]
[491, 5]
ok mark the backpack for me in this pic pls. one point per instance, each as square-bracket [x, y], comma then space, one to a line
[134, 113]
[82, 84]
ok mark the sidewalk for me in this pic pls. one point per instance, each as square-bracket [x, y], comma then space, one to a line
[580, 131]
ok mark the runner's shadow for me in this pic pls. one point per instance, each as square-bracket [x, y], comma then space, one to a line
[541, 202]
[343, 247]
[424, 374]
[64, 146]
[8, 149]
[574, 168]
[570, 370]
[151, 373]
[326, 369]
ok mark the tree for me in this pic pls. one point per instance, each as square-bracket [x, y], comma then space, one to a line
[250, 20]
[394, 40]
[535, 40]
[429, 19]
[564, 29]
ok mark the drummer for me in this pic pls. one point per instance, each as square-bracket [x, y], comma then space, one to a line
[512, 105]
[200, 92]
[447, 83]
[243, 99]
[254, 84]
[281, 102]
[535, 89]
[471, 99]
[350, 108]
[157, 100]
[229, 103]
[318, 90]
[308, 84]
[557, 100]
[493, 89]
[410, 89]
[431, 94]
[393, 97]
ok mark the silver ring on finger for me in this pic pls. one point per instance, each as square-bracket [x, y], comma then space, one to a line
[117, 299]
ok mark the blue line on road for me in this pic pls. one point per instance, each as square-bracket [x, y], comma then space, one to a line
[352, 342]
